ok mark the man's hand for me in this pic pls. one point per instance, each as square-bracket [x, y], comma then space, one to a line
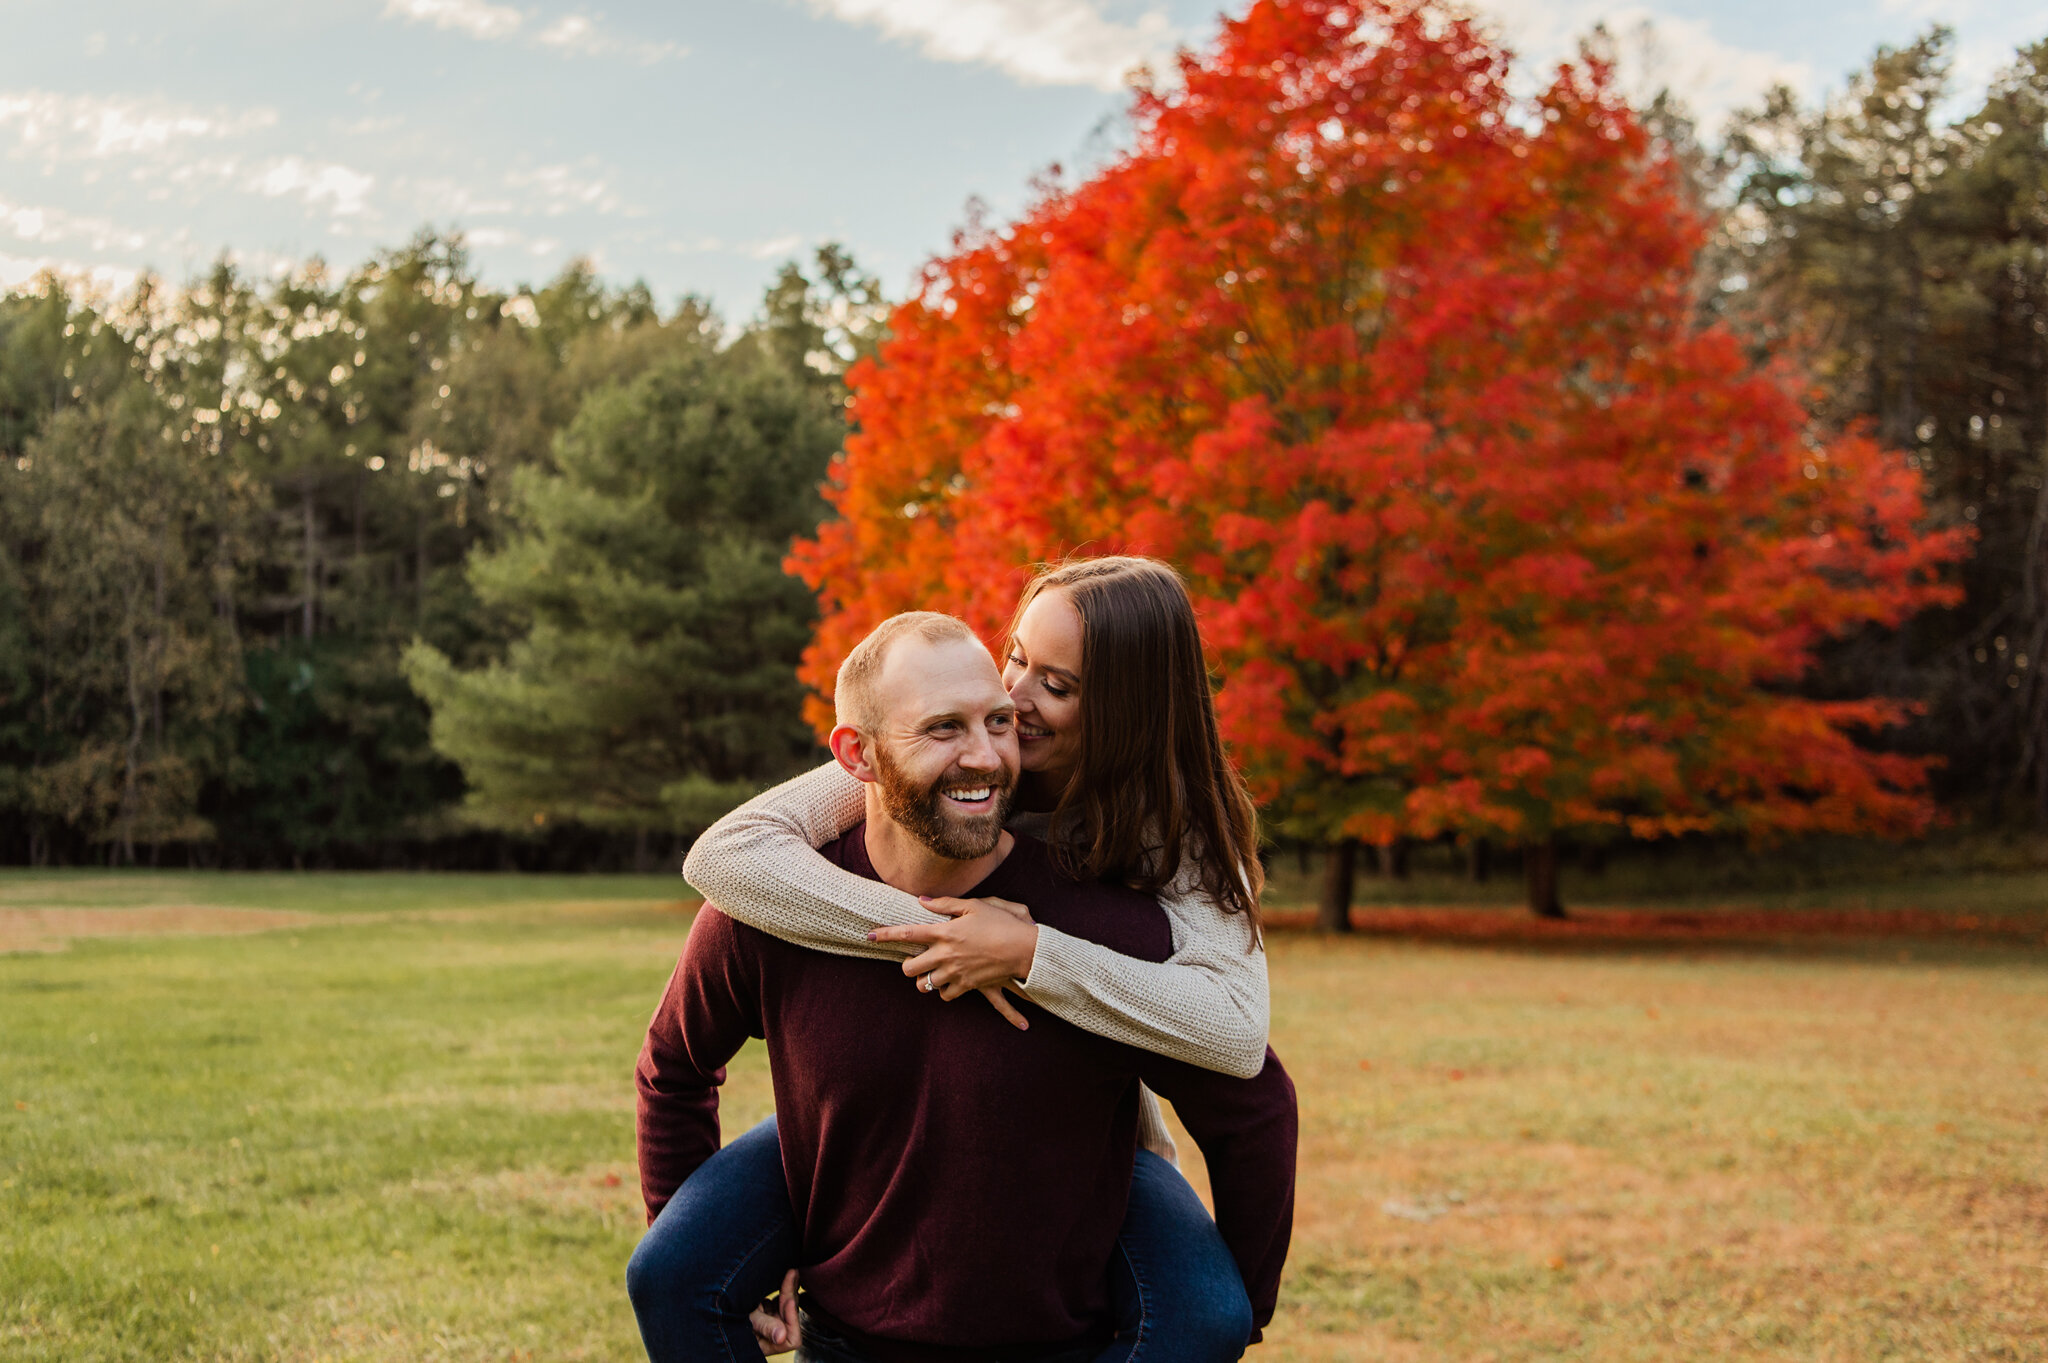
[778, 1331]
[988, 944]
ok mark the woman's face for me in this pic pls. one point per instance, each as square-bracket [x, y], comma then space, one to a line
[1043, 674]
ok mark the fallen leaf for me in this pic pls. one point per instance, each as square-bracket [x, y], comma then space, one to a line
[1457, 1074]
[1365, 1064]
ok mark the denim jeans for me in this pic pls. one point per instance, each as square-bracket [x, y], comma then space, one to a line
[726, 1238]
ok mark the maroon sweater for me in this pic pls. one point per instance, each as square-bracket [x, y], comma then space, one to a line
[958, 1184]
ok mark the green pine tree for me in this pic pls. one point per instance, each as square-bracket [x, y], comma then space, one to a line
[652, 684]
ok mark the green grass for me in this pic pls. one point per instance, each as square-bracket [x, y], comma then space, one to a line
[400, 1128]
[386, 1139]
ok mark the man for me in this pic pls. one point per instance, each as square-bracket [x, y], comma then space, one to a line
[957, 1184]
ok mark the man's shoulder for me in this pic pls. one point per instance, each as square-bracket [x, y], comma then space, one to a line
[714, 930]
[849, 851]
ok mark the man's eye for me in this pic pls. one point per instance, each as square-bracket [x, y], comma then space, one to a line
[1000, 721]
[946, 728]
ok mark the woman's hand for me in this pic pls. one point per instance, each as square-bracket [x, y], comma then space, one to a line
[988, 945]
[778, 1330]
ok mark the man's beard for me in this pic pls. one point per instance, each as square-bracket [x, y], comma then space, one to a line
[923, 810]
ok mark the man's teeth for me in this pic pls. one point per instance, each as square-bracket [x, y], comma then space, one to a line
[971, 794]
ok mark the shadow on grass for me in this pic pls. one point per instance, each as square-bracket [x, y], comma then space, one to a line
[1878, 936]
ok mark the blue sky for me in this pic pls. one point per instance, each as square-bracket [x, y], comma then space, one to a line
[693, 143]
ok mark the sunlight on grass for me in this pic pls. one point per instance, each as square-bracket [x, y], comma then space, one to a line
[406, 1133]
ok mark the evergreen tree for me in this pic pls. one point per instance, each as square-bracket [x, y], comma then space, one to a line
[652, 683]
[1908, 259]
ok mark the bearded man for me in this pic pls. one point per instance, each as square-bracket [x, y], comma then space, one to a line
[957, 1184]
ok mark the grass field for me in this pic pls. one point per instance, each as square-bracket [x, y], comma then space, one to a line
[388, 1117]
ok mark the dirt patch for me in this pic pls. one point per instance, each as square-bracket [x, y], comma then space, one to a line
[51, 929]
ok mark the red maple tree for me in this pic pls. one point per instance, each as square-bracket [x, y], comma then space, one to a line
[1492, 536]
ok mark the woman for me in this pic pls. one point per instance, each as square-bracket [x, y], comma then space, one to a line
[1124, 774]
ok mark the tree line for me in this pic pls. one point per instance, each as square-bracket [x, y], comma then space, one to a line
[281, 560]
[393, 568]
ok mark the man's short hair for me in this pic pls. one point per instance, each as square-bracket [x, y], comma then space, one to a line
[853, 695]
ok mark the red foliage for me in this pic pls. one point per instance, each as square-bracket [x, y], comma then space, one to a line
[1489, 532]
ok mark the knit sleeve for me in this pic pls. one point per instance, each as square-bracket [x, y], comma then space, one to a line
[760, 864]
[1207, 1004]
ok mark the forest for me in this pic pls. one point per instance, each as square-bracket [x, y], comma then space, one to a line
[388, 567]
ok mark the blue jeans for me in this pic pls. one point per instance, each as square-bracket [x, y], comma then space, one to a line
[726, 1238]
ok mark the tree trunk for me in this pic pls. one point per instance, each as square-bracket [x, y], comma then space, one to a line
[2033, 696]
[131, 762]
[1393, 859]
[643, 858]
[419, 570]
[1539, 868]
[1333, 911]
[1478, 860]
[312, 557]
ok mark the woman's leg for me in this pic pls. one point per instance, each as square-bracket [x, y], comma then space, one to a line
[719, 1246]
[1178, 1295]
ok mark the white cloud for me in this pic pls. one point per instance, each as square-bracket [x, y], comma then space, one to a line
[774, 247]
[574, 32]
[1040, 42]
[44, 225]
[474, 17]
[571, 35]
[555, 190]
[86, 127]
[579, 34]
[345, 191]
[101, 280]
[1657, 50]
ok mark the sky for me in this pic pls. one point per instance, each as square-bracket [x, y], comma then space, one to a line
[695, 144]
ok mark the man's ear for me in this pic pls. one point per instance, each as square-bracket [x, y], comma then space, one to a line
[850, 749]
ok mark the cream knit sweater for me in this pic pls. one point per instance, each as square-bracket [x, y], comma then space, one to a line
[1206, 1005]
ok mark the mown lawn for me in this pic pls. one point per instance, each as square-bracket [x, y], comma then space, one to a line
[394, 1123]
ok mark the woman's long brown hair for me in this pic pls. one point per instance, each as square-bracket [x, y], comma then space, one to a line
[1154, 780]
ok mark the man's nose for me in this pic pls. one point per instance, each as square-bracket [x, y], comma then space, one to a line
[986, 752]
